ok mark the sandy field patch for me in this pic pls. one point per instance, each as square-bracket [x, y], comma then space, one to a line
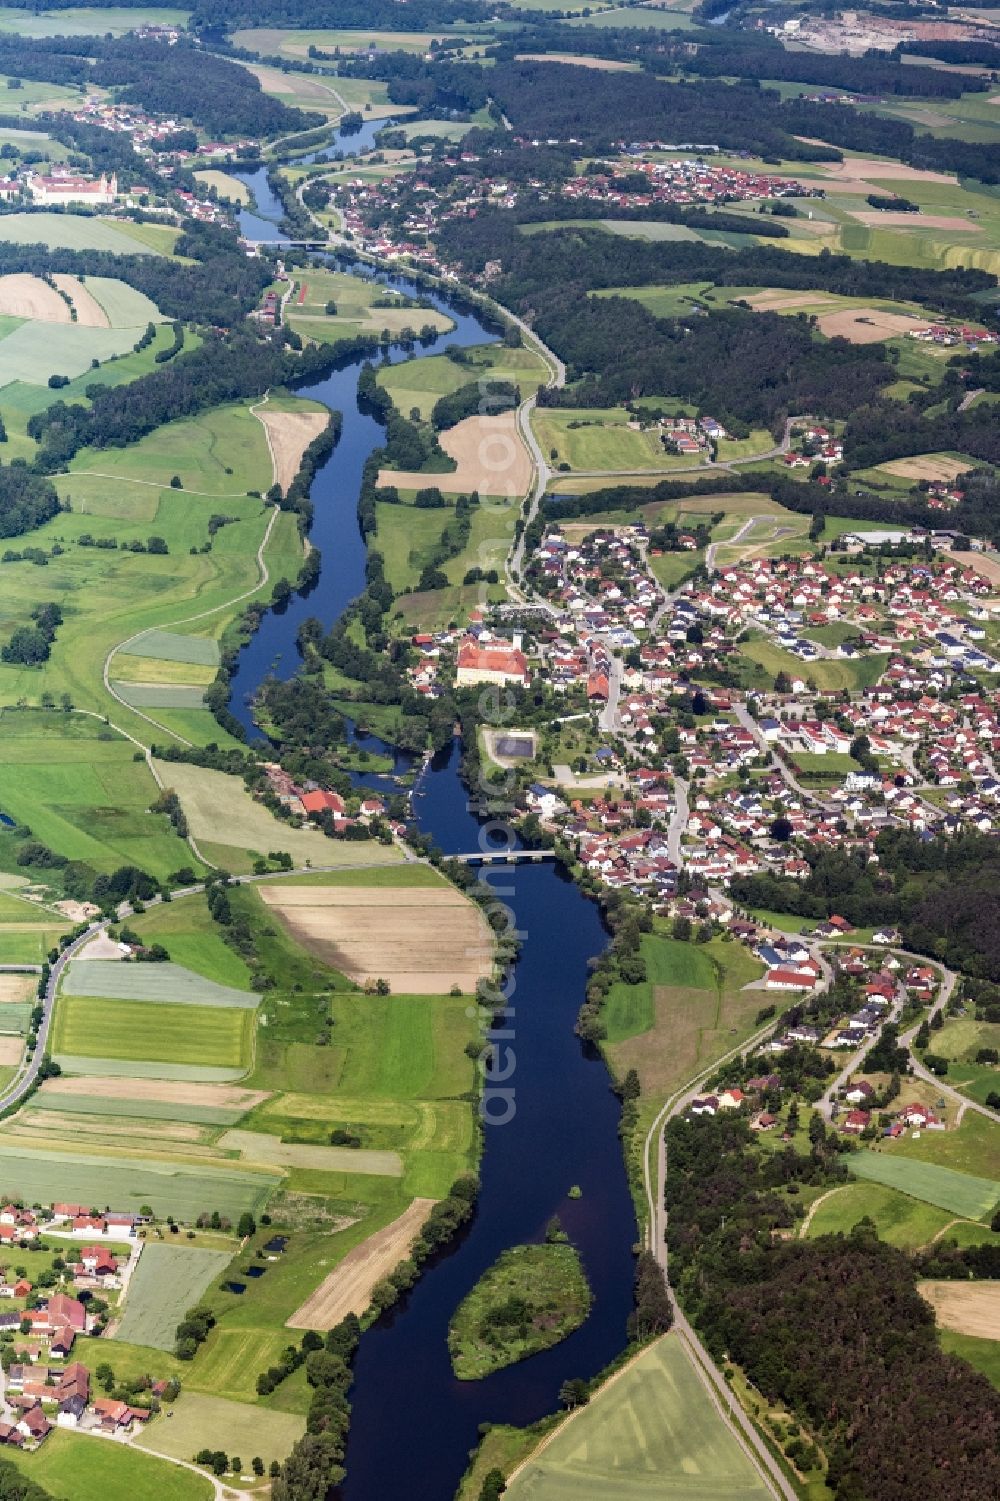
[288, 436]
[17, 987]
[11, 1049]
[348, 1288]
[173, 1092]
[490, 456]
[865, 325]
[423, 940]
[863, 167]
[100, 947]
[24, 296]
[928, 466]
[602, 64]
[89, 313]
[777, 302]
[967, 1307]
[77, 911]
[916, 221]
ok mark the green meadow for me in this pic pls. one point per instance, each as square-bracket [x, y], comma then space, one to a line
[72, 1464]
[214, 1036]
[169, 983]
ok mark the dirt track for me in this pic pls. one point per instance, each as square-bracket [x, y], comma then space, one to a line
[489, 454]
[24, 296]
[348, 1288]
[289, 435]
[967, 1307]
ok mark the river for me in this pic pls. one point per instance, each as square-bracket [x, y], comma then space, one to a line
[413, 1423]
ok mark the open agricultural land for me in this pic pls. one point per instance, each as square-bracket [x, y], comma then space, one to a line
[652, 1430]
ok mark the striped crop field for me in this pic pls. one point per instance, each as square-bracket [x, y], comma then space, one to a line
[83, 1065]
[170, 983]
[960, 1193]
[204, 1036]
[167, 1282]
[132, 1109]
[43, 1175]
[161, 695]
[169, 646]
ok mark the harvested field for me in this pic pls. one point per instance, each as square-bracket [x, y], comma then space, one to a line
[288, 436]
[988, 567]
[916, 221]
[927, 466]
[17, 987]
[89, 313]
[602, 64]
[423, 941]
[34, 1125]
[349, 1286]
[218, 1096]
[11, 1049]
[860, 167]
[777, 302]
[865, 325]
[169, 983]
[24, 296]
[257, 1146]
[967, 1307]
[489, 454]
[225, 185]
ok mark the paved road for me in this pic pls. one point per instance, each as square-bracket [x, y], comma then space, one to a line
[655, 1173]
[20, 1087]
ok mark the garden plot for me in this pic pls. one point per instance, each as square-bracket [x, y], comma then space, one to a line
[166, 1283]
[170, 983]
[421, 940]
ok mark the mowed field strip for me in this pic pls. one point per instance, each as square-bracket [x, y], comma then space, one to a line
[652, 1434]
[170, 983]
[141, 1031]
[967, 1307]
[166, 1283]
[961, 1193]
[257, 1146]
[347, 1289]
[423, 940]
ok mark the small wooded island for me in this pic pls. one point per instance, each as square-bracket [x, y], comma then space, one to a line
[531, 1298]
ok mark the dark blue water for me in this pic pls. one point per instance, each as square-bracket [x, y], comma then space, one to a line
[413, 1424]
[262, 224]
[348, 142]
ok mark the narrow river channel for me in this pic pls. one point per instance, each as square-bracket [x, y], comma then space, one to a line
[413, 1424]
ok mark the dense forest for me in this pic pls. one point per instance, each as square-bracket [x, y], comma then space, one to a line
[833, 1328]
[26, 500]
[183, 80]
